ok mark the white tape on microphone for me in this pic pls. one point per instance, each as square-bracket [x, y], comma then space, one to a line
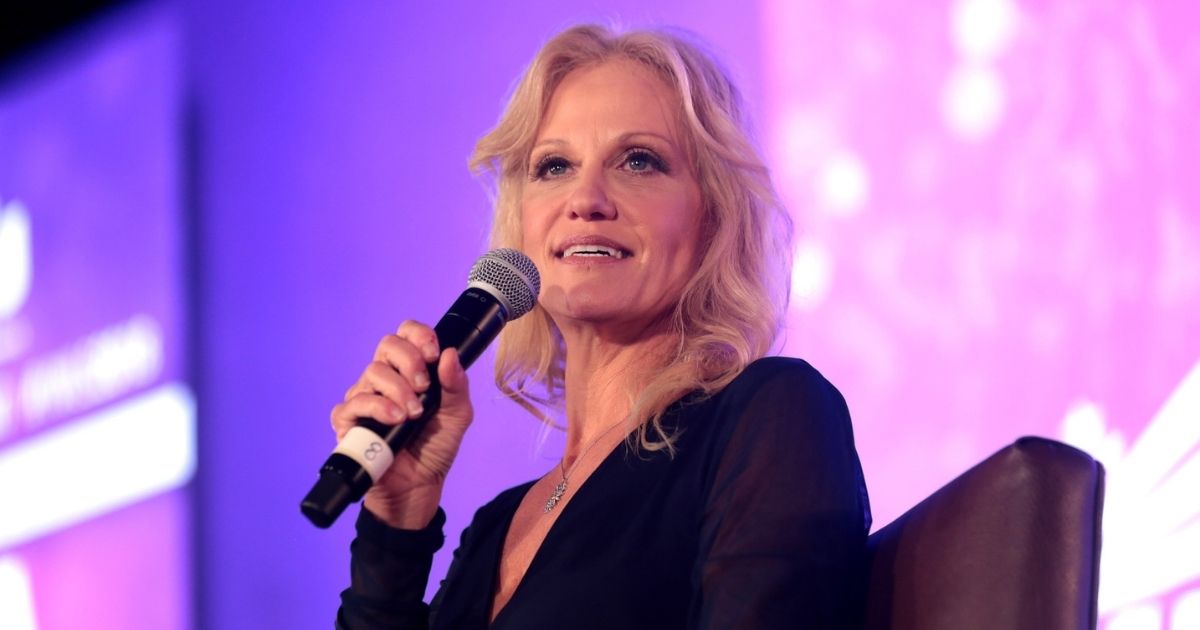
[368, 449]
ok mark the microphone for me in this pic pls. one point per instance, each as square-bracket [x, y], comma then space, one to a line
[502, 286]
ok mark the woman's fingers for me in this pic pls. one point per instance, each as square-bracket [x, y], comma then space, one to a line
[421, 337]
[346, 414]
[390, 388]
[399, 371]
[406, 358]
[382, 378]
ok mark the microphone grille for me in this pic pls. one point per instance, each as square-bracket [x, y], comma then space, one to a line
[510, 276]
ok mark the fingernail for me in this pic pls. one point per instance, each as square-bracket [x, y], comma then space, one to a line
[414, 409]
[398, 413]
[421, 379]
[430, 352]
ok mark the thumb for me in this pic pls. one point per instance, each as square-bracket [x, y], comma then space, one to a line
[451, 374]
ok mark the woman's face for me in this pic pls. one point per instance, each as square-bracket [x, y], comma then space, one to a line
[611, 211]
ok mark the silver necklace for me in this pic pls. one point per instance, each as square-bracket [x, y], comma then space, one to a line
[561, 488]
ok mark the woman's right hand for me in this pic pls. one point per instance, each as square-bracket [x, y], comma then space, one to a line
[408, 493]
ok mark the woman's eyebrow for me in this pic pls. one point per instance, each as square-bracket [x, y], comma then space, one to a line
[554, 142]
[634, 135]
[621, 139]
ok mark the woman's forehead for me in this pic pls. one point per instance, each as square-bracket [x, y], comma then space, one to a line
[612, 98]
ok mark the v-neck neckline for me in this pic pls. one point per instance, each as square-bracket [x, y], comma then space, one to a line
[534, 562]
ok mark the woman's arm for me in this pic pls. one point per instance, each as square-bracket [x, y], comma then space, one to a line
[389, 569]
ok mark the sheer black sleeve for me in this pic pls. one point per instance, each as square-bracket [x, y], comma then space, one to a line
[389, 569]
[784, 527]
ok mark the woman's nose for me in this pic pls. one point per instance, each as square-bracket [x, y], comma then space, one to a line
[589, 201]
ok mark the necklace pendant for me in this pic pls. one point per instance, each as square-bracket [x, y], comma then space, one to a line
[556, 496]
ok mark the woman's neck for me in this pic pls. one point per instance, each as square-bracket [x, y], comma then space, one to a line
[602, 379]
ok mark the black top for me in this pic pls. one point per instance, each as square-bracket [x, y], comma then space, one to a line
[759, 521]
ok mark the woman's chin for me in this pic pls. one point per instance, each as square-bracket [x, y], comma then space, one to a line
[588, 309]
[590, 313]
[618, 321]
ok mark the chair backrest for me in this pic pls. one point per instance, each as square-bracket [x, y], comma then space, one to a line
[1012, 543]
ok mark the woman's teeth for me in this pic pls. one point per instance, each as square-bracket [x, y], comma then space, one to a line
[593, 250]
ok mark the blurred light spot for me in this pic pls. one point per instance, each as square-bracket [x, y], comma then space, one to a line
[1084, 428]
[6, 409]
[812, 275]
[1186, 613]
[131, 450]
[1166, 441]
[16, 258]
[1147, 617]
[972, 102]
[844, 183]
[983, 29]
[97, 369]
[1151, 523]
[16, 596]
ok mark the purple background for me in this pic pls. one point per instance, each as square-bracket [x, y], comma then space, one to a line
[997, 237]
[90, 144]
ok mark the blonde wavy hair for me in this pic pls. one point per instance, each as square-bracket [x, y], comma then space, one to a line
[730, 311]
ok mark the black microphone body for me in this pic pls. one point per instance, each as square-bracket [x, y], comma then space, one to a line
[470, 324]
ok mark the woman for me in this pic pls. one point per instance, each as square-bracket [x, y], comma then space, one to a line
[699, 487]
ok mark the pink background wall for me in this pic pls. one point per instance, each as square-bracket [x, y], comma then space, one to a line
[1001, 236]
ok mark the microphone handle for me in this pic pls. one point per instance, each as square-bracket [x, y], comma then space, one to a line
[470, 325]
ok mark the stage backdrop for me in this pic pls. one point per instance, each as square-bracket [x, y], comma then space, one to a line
[96, 414]
[999, 235]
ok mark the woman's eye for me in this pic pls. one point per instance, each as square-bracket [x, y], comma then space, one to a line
[551, 167]
[643, 162]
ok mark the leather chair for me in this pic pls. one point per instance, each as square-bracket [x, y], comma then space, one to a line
[1013, 543]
